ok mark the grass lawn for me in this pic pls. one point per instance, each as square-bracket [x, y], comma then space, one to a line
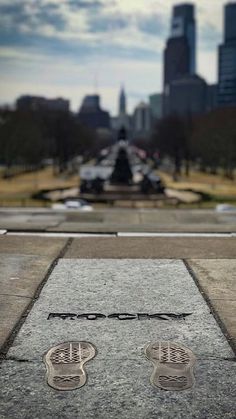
[18, 189]
[219, 188]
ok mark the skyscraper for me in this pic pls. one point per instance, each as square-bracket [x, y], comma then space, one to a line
[230, 22]
[183, 24]
[188, 95]
[91, 114]
[176, 58]
[122, 121]
[227, 59]
[142, 120]
[180, 51]
[156, 105]
[122, 102]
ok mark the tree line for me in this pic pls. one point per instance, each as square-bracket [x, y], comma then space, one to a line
[29, 137]
[208, 140]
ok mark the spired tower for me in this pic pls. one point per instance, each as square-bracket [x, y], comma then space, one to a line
[122, 102]
[121, 124]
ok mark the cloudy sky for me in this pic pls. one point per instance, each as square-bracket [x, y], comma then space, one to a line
[71, 48]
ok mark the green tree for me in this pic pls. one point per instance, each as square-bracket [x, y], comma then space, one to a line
[213, 140]
[21, 141]
[169, 138]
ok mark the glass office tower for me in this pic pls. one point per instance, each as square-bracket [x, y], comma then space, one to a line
[183, 25]
[180, 51]
[227, 59]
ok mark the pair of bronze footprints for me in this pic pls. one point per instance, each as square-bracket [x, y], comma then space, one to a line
[173, 365]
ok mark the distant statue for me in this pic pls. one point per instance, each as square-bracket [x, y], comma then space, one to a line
[122, 134]
[122, 173]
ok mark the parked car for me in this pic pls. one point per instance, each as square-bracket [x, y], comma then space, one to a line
[74, 204]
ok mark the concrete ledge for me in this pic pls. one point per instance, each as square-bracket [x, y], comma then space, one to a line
[126, 226]
[152, 248]
[38, 246]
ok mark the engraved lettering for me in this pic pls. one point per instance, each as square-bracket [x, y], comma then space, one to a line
[91, 316]
[173, 316]
[119, 316]
[62, 316]
[122, 316]
[143, 316]
[159, 316]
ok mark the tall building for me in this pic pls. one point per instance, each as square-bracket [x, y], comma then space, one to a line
[188, 96]
[142, 120]
[91, 114]
[156, 105]
[183, 25]
[230, 22]
[38, 103]
[122, 102]
[227, 59]
[176, 60]
[212, 97]
[122, 121]
[180, 52]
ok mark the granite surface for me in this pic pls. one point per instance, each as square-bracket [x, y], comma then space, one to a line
[120, 286]
[117, 389]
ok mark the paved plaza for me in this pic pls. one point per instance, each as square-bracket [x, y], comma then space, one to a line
[120, 279]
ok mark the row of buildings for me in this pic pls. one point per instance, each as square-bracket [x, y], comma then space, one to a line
[184, 92]
[137, 125]
[93, 116]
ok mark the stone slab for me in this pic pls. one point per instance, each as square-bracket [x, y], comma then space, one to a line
[11, 310]
[39, 226]
[123, 226]
[180, 216]
[27, 221]
[85, 217]
[216, 277]
[121, 216]
[30, 217]
[105, 216]
[117, 389]
[21, 275]
[153, 247]
[120, 286]
[38, 246]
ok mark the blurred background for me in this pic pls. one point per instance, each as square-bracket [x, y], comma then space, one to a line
[124, 103]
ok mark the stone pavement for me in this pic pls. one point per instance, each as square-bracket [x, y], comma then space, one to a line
[118, 220]
[179, 288]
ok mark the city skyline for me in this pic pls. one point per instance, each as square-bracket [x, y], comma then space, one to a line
[80, 47]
